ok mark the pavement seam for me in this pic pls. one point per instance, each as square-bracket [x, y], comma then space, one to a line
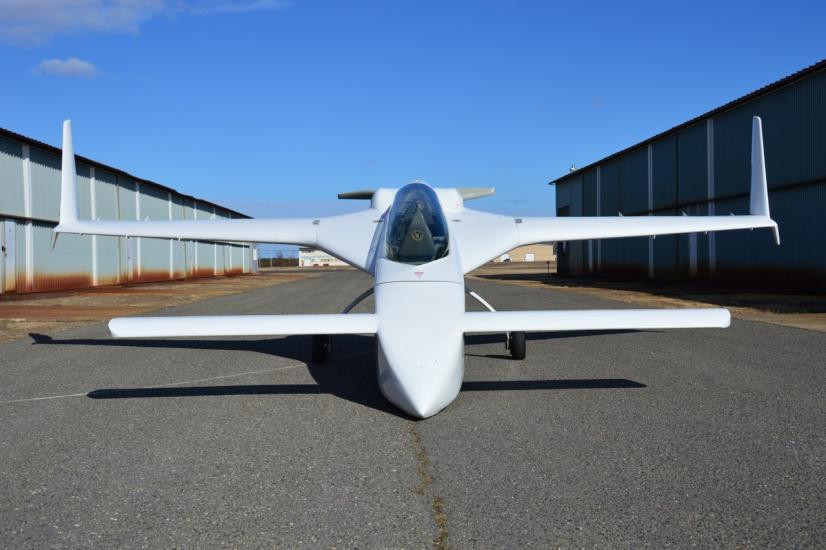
[437, 503]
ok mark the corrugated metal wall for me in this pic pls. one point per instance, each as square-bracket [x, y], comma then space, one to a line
[29, 205]
[704, 169]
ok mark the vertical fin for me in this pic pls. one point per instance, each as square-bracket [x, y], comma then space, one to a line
[68, 178]
[759, 198]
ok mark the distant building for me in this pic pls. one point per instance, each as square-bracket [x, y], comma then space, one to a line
[542, 252]
[309, 257]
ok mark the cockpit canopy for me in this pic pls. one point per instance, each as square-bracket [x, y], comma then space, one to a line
[417, 229]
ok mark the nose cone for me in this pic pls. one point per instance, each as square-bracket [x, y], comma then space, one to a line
[421, 376]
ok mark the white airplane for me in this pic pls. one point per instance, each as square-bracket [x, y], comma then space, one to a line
[418, 243]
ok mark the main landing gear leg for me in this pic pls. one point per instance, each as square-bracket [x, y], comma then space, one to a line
[321, 348]
[322, 342]
[514, 341]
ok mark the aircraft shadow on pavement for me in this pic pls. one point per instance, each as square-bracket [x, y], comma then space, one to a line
[473, 339]
[350, 373]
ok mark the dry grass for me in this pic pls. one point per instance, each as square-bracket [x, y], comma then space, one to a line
[24, 313]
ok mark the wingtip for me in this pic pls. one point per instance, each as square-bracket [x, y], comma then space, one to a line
[68, 177]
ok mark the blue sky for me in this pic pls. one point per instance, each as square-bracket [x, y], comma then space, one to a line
[272, 107]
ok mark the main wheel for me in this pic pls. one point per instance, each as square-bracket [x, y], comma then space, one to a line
[516, 343]
[321, 348]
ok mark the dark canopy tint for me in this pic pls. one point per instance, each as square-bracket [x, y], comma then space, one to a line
[417, 230]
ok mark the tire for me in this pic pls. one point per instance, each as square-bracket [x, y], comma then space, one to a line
[517, 345]
[321, 348]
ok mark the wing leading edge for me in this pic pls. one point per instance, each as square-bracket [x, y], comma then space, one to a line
[243, 325]
[595, 319]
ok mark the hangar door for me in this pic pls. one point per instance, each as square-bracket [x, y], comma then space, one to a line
[8, 275]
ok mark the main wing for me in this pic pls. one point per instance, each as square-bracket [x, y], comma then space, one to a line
[243, 325]
[348, 237]
[594, 319]
[482, 236]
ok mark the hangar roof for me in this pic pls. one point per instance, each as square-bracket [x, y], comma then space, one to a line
[794, 77]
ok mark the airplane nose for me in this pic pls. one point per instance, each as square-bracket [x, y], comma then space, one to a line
[421, 376]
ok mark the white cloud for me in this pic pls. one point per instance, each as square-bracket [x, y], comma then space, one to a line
[71, 68]
[33, 22]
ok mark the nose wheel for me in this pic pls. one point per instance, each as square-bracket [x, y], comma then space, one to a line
[321, 348]
[517, 344]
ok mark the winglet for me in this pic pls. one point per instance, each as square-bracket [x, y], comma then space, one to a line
[759, 200]
[68, 179]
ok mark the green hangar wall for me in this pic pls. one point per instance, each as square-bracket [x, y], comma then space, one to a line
[29, 205]
[702, 167]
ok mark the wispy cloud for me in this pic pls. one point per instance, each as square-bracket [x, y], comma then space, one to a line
[71, 68]
[35, 22]
[229, 6]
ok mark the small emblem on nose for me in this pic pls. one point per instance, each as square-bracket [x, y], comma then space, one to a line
[418, 274]
[417, 234]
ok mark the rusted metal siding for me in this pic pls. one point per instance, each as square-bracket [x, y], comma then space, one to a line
[108, 251]
[30, 195]
[154, 255]
[205, 261]
[178, 212]
[68, 265]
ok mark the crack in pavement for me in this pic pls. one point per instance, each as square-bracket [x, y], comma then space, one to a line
[437, 503]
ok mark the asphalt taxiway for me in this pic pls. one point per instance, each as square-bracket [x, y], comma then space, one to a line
[625, 439]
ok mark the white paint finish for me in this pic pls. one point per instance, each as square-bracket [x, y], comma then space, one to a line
[421, 357]
[759, 189]
[420, 317]
[242, 325]
[607, 319]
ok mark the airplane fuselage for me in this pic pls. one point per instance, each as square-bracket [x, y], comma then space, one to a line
[420, 299]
